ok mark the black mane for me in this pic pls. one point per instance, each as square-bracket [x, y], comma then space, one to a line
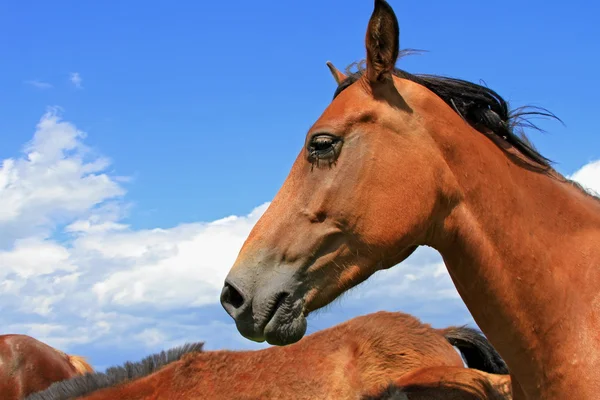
[481, 107]
[475, 348]
[88, 383]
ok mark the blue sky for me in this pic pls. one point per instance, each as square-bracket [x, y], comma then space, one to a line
[195, 111]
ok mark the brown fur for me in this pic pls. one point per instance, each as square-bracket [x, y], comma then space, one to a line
[408, 167]
[342, 362]
[28, 366]
[447, 383]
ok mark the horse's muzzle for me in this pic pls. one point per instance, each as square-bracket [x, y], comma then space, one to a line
[274, 312]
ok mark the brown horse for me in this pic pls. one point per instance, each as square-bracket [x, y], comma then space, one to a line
[360, 356]
[28, 366]
[399, 161]
[447, 383]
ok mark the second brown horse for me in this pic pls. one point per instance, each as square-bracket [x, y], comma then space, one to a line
[360, 356]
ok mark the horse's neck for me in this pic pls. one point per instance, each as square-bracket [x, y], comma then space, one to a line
[522, 250]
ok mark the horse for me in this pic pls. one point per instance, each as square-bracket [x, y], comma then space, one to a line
[447, 383]
[28, 366]
[397, 161]
[360, 356]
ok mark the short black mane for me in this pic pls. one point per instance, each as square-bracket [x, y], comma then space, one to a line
[88, 383]
[481, 107]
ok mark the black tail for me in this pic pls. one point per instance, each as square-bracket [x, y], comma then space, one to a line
[476, 349]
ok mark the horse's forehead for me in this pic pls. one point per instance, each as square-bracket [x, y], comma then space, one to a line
[355, 102]
[348, 105]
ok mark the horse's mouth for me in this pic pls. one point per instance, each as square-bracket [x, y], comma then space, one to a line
[287, 323]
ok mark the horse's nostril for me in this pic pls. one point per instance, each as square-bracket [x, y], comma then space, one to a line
[231, 296]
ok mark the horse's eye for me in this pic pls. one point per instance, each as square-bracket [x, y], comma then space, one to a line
[324, 147]
[322, 143]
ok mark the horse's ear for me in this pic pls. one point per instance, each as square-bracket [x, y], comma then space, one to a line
[382, 42]
[338, 75]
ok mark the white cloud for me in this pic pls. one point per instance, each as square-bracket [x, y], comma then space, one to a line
[56, 180]
[39, 84]
[151, 337]
[34, 257]
[76, 80]
[414, 278]
[178, 267]
[107, 284]
[102, 278]
[589, 176]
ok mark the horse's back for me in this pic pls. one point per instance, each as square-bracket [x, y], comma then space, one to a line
[28, 365]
